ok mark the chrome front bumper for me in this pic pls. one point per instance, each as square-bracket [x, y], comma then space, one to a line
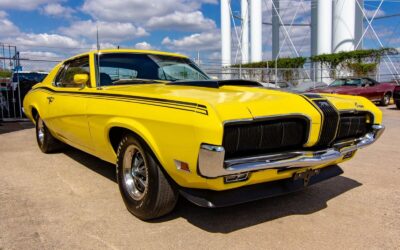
[212, 161]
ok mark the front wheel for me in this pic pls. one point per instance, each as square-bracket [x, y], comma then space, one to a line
[398, 104]
[385, 99]
[144, 188]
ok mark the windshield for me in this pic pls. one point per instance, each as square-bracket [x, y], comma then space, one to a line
[345, 82]
[31, 77]
[131, 68]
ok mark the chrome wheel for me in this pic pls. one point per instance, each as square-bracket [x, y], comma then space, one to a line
[40, 131]
[135, 173]
[386, 99]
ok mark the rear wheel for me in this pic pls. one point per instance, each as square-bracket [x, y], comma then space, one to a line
[144, 188]
[46, 141]
[398, 104]
[386, 99]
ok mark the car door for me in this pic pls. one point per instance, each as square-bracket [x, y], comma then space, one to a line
[369, 89]
[67, 105]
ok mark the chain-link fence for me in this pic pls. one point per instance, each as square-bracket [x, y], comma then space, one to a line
[387, 71]
[18, 77]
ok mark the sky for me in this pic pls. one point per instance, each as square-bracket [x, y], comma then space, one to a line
[57, 29]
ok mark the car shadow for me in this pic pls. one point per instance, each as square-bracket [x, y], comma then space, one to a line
[93, 163]
[229, 219]
[8, 127]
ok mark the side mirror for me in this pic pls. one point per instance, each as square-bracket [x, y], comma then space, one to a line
[81, 79]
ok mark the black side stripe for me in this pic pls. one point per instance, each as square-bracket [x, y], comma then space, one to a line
[186, 106]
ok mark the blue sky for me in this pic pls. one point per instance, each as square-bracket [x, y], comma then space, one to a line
[61, 28]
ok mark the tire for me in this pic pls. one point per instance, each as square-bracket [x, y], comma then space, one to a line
[46, 141]
[144, 187]
[397, 104]
[385, 99]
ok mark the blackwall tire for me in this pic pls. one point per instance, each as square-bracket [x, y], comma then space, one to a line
[144, 187]
[46, 141]
[398, 104]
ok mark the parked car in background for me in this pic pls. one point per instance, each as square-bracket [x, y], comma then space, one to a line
[172, 131]
[21, 83]
[396, 96]
[361, 86]
[308, 86]
[277, 85]
[26, 80]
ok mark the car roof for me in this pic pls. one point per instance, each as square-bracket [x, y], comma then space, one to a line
[27, 72]
[137, 51]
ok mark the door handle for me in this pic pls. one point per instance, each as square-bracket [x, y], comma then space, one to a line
[50, 99]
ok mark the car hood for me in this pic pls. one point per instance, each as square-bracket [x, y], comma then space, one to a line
[342, 89]
[238, 102]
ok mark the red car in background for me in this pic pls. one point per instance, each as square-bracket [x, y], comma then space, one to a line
[363, 86]
[396, 96]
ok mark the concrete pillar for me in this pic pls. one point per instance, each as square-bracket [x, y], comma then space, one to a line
[359, 24]
[225, 33]
[245, 30]
[321, 35]
[344, 12]
[275, 29]
[256, 30]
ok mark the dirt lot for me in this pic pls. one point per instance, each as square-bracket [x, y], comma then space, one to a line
[70, 200]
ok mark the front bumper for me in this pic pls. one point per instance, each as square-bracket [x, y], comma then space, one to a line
[212, 163]
[211, 198]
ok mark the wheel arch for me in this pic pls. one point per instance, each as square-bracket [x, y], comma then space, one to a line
[33, 113]
[116, 130]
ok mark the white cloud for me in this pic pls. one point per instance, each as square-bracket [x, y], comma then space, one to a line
[7, 28]
[23, 4]
[200, 41]
[144, 46]
[370, 13]
[138, 11]
[108, 31]
[3, 14]
[49, 41]
[57, 10]
[39, 55]
[185, 21]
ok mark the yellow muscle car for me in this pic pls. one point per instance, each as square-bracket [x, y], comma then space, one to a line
[171, 130]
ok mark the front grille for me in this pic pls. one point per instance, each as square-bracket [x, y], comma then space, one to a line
[330, 122]
[264, 136]
[352, 126]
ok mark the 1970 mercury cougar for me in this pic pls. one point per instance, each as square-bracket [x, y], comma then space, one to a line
[171, 130]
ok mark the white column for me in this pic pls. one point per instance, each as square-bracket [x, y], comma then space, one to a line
[245, 31]
[275, 29]
[321, 35]
[225, 33]
[343, 25]
[256, 30]
[359, 28]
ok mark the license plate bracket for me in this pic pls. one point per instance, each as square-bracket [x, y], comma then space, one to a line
[305, 175]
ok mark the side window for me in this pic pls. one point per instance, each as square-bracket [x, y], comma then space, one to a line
[368, 82]
[65, 77]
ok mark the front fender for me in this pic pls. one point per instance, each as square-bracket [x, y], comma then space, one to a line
[136, 127]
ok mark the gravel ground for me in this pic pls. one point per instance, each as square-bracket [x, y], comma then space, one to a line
[70, 200]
